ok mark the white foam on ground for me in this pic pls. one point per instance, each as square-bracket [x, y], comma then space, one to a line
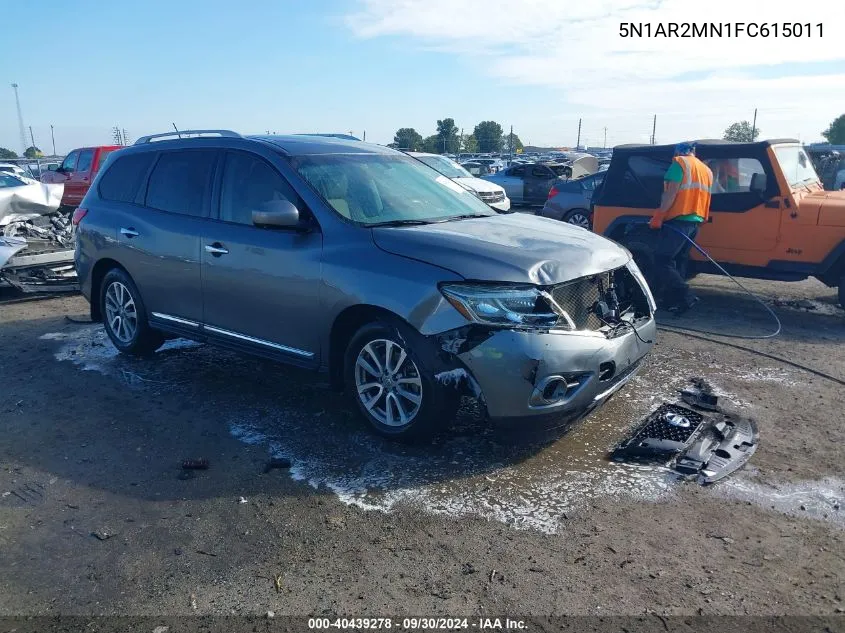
[90, 348]
[820, 499]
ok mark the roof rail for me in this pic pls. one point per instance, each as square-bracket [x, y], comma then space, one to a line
[181, 133]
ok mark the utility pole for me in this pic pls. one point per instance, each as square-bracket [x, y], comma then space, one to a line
[365, 135]
[510, 142]
[754, 126]
[21, 128]
[53, 138]
[653, 130]
[605, 138]
[31, 136]
[578, 144]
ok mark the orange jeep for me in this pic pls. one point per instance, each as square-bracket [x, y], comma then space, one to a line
[770, 217]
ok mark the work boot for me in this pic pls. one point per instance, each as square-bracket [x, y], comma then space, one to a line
[684, 306]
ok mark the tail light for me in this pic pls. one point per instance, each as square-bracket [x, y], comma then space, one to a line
[78, 214]
[553, 192]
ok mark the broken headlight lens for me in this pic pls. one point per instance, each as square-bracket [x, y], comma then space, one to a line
[523, 306]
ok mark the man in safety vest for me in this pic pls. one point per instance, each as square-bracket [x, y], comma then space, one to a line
[684, 206]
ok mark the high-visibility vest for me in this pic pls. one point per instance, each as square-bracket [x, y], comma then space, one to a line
[694, 193]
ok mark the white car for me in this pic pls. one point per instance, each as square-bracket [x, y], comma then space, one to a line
[15, 170]
[488, 192]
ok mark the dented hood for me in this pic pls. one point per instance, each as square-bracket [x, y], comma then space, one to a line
[515, 247]
[29, 200]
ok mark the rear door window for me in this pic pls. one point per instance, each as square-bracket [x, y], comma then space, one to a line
[86, 157]
[181, 182]
[124, 178]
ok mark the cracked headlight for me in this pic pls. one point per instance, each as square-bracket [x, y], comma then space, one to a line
[523, 306]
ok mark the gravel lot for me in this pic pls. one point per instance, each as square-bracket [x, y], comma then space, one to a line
[97, 516]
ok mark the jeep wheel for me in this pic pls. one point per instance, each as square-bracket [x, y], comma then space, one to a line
[125, 317]
[388, 373]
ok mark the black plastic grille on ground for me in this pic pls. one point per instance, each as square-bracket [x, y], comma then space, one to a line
[668, 429]
[578, 298]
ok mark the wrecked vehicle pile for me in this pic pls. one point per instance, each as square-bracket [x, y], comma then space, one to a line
[36, 237]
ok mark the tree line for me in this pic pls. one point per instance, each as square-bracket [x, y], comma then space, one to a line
[486, 137]
[745, 132]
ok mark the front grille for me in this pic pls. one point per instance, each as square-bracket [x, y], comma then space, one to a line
[579, 298]
[491, 196]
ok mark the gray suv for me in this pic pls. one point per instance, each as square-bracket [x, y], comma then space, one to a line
[362, 263]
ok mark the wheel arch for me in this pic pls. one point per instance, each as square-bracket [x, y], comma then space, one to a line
[98, 273]
[344, 327]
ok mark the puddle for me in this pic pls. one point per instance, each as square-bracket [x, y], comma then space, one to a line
[809, 305]
[91, 349]
[469, 471]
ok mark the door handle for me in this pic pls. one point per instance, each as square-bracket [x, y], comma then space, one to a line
[216, 249]
[130, 232]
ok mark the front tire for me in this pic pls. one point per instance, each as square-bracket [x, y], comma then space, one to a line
[125, 317]
[389, 373]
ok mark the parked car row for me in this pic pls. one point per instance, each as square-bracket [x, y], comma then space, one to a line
[363, 263]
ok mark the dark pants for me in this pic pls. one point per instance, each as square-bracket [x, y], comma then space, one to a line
[671, 254]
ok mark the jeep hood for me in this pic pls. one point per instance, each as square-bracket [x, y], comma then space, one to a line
[514, 247]
[830, 206]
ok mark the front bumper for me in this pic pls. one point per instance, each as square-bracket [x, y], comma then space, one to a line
[524, 374]
[504, 205]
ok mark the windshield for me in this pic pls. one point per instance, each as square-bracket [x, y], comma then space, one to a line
[445, 166]
[796, 166]
[376, 188]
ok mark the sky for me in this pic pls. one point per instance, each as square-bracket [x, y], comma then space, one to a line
[374, 66]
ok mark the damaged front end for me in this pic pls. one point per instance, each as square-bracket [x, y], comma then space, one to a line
[530, 351]
[36, 251]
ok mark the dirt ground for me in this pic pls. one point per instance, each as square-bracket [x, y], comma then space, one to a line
[98, 517]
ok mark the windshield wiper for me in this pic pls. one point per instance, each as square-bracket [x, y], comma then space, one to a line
[465, 216]
[400, 223]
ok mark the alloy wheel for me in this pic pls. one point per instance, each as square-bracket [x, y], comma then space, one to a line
[121, 315]
[579, 219]
[388, 383]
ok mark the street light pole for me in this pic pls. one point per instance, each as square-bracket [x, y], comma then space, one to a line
[53, 138]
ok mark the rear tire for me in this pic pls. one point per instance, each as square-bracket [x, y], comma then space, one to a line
[125, 317]
[578, 217]
[389, 373]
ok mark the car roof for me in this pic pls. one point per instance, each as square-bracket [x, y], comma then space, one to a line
[712, 143]
[299, 144]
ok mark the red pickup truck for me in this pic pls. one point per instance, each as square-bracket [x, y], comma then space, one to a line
[77, 171]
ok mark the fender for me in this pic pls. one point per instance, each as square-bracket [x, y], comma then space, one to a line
[620, 223]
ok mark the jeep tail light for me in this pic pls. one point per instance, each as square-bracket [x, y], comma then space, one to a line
[553, 192]
[78, 214]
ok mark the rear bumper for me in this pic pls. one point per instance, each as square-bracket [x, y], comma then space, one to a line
[538, 375]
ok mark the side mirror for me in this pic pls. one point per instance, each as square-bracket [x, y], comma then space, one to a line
[276, 213]
[758, 183]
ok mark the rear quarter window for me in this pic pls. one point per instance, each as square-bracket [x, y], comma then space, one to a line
[121, 181]
[181, 182]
